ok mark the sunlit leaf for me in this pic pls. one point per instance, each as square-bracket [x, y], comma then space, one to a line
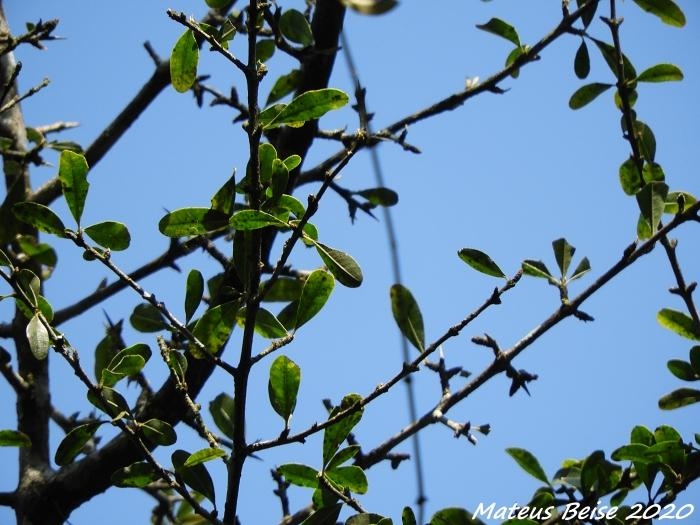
[630, 178]
[246, 220]
[196, 477]
[192, 221]
[14, 438]
[407, 315]
[661, 73]
[678, 322]
[295, 27]
[39, 216]
[126, 362]
[223, 199]
[335, 434]
[204, 455]
[314, 295]
[537, 269]
[72, 172]
[343, 267]
[307, 106]
[266, 324]
[679, 398]
[528, 463]
[350, 477]
[183, 62]
[283, 386]
[215, 326]
[563, 252]
[136, 475]
[343, 455]
[370, 7]
[300, 475]
[666, 10]
[587, 93]
[283, 86]
[110, 234]
[652, 201]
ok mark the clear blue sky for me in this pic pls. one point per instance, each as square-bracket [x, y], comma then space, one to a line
[506, 174]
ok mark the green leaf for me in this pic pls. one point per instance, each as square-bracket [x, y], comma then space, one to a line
[307, 106]
[39, 251]
[109, 401]
[610, 55]
[5, 260]
[38, 337]
[266, 324]
[498, 27]
[223, 199]
[283, 86]
[563, 252]
[109, 234]
[514, 55]
[246, 220]
[147, 318]
[480, 261]
[335, 434]
[30, 284]
[407, 315]
[652, 201]
[343, 267]
[350, 478]
[674, 198]
[643, 230]
[537, 269]
[196, 477]
[582, 61]
[678, 322]
[136, 475]
[215, 326]
[282, 289]
[72, 172]
[661, 73]
[328, 514]
[682, 370]
[645, 138]
[159, 432]
[408, 517]
[73, 443]
[528, 463]
[370, 7]
[217, 4]
[283, 387]
[454, 516]
[343, 455]
[183, 62]
[177, 363]
[296, 28]
[127, 362]
[192, 221]
[193, 293]
[583, 267]
[589, 12]
[14, 438]
[292, 162]
[204, 455]
[368, 519]
[264, 49]
[630, 178]
[221, 409]
[315, 293]
[380, 196]
[679, 398]
[280, 179]
[299, 475]
[40, 217]
[694, 355]
[666, 10]
[587, 93]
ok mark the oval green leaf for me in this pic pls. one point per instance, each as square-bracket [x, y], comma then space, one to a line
[335, 434]
[283, 86]
[652, 201]
[110, 234]
[480, 262]
[661, 73]
[136, 475]
[407, 315]
[370, 7]
[221, 409]
[630, 178]
[192, 221]
[72, 172]
[283, 387]
[679, 398]
[678, 322]
[159, 432]
[307, 106]
[682, 370]
[204, 455]
[295, 27]
[73, 443]
[39, 216]
[215, 326]
[246, 220]
[196, 477]
[299, 475]
[183, 62]
[350, 477]
[193, 293]
[582, 61]
[500, 28]
[266, 324]
[147, 318]
[314, 295]
[528, 463]
[14, 438]
[667, 11]
[109, 401]
[563, 252]
[587, 93]
[380, 196]
[341, 265]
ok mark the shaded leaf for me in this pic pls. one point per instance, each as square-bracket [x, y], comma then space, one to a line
[630, 178]
[295, 27]
[192, 221]
[610, 55]
[282, 289]
[280, 178]
[196, 477]
[283, 86]
[646, 139]
[652, 201]
[38, 337]
[498, 27]
[159, 432]
[587, 93]
[528, 463]
[283, 386]
[72, 444]
[537, 269]
[343, 455]
[454, 516]
[335, 434]
[126, 362]
[266, 324]
[694, 355]
[299, 475]
[204, 455]
[5, 260]
[480, 262]
[678, 322]
[408, 517]
[137, 475]
[309, 105]
[147, 318]
[110, 234]
[679, 398]
[328, 514]
[563, 252]
[193, 293]
[215, 326]
[14, 438]
[314, 294]
[682, 370]
[246, 220]
[661, 73]
[183, 62]
[583, 267]
[667, 10]
[38, 251]
[40, 217]
[407, 315]
[264, 49]
[109, 401]
[223, 199]
[380, 196]
[221, 409]
[72, 172]
[343, 267]
[582, 61]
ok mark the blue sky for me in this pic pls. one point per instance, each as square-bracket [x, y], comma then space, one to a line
[506, 174]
